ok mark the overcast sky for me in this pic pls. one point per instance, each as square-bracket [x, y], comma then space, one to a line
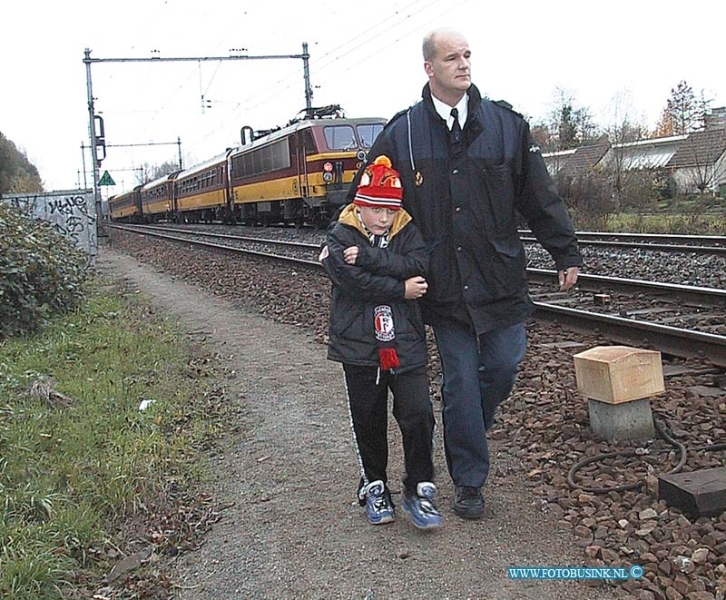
[365, 56]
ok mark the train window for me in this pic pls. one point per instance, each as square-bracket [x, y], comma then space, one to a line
[308, 142]
[266, 159]
[257, 164]
[261, 160]
[281, 154]
[340, 137]
[368, 133]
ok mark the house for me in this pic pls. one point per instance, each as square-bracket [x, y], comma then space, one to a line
[696, 161]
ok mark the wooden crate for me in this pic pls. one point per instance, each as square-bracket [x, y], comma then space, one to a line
[616, 374]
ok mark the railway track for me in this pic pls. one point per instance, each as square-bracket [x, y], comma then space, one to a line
[701, 244]
[679, 320]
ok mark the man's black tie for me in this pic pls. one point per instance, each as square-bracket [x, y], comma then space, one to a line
[455, 128]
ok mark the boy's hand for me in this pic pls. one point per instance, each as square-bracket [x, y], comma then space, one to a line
[350, 254]
[415, 288]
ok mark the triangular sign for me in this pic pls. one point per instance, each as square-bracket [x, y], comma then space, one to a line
[106, 179]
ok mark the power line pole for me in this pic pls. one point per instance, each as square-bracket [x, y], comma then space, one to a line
[95, 162]
[97, 138]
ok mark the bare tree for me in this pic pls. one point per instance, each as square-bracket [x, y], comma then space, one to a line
[543, 137]
[624, 128]
[665, 126]
[571, 124]
[165, 168]
[149, 172]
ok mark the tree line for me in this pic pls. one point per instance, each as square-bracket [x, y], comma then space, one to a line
[569, 125]
[17, 174]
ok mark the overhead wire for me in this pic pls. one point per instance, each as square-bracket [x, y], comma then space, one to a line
[265, 94]
[331, 58]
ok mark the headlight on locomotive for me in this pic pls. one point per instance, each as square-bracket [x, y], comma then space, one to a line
[328, 172]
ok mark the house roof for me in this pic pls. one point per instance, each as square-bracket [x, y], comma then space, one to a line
[651, 153]
[584, 159]
[679, 151]
[699, 148]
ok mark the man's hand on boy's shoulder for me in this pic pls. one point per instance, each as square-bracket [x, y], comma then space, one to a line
[350, 254]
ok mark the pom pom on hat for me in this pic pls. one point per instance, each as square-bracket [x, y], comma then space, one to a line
[380, 186]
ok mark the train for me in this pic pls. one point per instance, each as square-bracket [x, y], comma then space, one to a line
[297, 174]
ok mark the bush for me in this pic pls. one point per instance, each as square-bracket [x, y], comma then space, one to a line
[41, 272]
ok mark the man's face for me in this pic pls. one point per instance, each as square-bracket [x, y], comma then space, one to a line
[450, 70]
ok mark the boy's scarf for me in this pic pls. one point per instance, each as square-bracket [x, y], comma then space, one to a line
[383, 317]
[385, 337]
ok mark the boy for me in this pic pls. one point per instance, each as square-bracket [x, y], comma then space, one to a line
[376, 259]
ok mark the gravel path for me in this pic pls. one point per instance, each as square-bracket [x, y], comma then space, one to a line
[292, 529]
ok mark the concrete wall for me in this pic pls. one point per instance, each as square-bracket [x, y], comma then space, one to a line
[72, 213]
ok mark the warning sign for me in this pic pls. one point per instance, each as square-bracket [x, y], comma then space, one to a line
[106, 179]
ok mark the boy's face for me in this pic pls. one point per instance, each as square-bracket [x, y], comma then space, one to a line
[377, 220]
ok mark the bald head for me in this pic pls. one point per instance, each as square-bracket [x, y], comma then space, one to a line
[432, 41]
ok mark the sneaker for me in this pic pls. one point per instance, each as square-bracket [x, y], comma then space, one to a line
[420, 506]
[468, 503]
[379, 507]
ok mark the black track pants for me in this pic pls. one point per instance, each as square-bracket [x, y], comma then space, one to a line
[412, 409]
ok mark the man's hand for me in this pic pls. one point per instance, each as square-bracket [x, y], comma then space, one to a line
[350, 254]
[415, 288]
[568, 278]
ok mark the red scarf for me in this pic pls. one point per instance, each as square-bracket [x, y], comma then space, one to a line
[385, 337]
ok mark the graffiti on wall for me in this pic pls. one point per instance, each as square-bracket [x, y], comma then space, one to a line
[72, 214]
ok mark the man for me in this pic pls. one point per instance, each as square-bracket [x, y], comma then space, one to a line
[466, 174]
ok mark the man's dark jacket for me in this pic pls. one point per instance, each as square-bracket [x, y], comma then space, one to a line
[378, 277]
[465, 203]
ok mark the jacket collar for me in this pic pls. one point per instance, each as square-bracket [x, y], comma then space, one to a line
[474, 124]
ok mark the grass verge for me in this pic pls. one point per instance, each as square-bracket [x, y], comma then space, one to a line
[102, 419]
[681, 224]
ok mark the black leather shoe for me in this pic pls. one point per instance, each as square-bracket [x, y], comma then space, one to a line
[468, 503]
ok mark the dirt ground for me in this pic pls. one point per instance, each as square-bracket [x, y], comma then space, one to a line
[293, 528]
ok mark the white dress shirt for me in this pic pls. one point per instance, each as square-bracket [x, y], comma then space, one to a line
[444, 110]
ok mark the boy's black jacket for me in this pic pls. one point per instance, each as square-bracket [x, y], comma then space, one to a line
[377, 278]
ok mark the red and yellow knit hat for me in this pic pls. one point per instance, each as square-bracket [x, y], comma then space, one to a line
[380, 186]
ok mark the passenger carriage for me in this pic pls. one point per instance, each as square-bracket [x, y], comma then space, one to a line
[202, 191]
[157, 198]
[126, 207]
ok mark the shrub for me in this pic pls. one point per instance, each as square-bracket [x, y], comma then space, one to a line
[41, 272]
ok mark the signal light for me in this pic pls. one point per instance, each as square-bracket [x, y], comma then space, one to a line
[328, 167]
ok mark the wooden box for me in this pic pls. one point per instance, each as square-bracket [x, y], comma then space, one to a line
[616, 374]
